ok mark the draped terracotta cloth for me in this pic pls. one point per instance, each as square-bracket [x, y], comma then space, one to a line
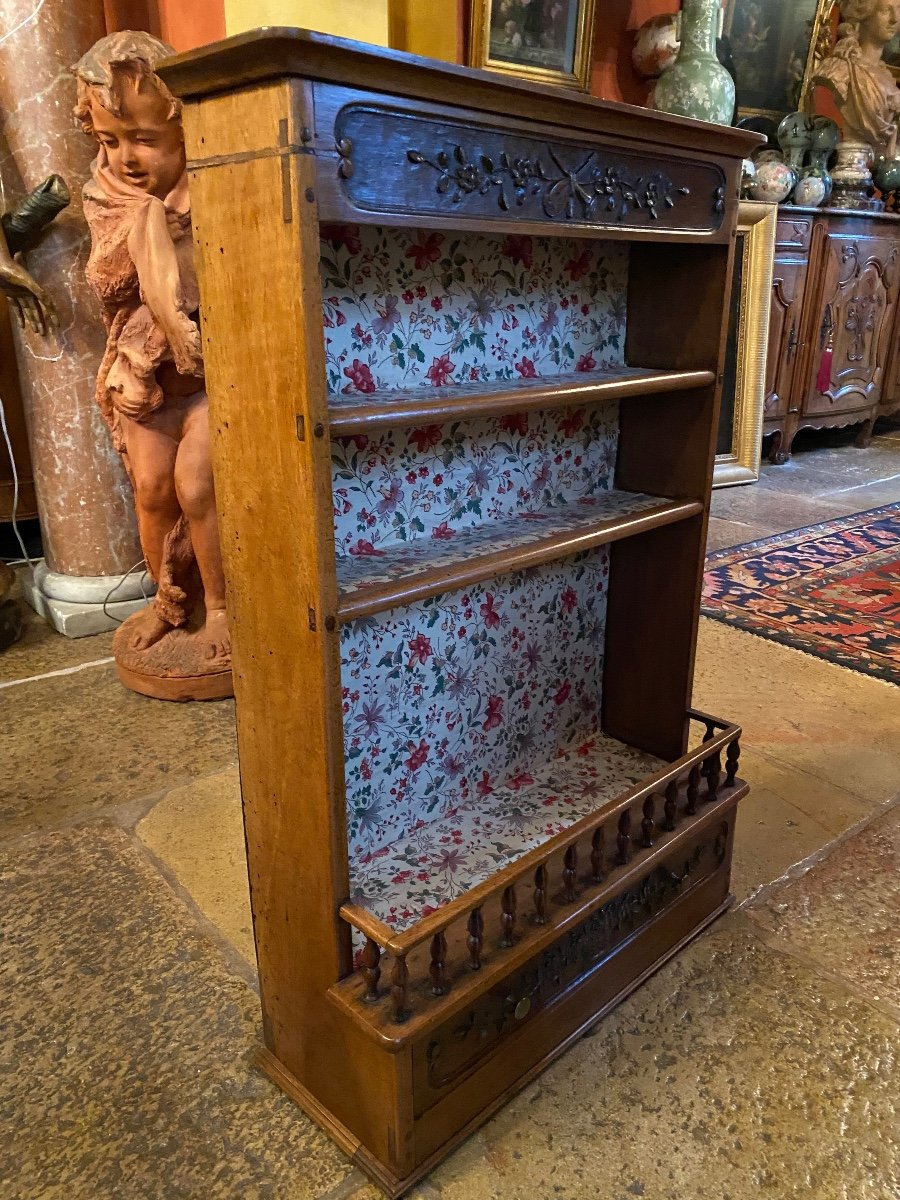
[866, 94]
[141, 268]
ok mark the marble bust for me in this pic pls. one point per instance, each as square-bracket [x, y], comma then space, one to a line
[864, 89]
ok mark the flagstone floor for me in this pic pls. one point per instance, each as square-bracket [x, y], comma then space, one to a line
[763, 1061]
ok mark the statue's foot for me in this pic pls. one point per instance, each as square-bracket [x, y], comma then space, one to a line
[147, 628]
[216, 636]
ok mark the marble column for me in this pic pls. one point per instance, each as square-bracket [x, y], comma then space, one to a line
[84, 498]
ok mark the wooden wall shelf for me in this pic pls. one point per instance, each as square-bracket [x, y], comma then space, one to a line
[419, 666]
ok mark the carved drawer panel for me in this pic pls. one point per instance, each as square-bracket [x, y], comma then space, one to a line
[453, 1051]
[396, 162]
[794, 234]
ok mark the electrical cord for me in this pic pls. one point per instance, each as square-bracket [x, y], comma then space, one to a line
[26, 557]
[15, 504]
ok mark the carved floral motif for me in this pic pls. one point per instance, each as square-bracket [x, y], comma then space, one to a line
[586, 191]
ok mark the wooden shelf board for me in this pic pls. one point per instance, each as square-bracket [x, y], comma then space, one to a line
[379, 580]
[350, 415]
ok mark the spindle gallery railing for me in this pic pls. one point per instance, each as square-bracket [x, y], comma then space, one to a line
[494, 920]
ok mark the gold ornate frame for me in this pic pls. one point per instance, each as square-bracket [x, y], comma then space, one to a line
[757, 222]
[480, 49]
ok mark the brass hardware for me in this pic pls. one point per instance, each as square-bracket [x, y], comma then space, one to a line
[792, 343]
[520, 1009]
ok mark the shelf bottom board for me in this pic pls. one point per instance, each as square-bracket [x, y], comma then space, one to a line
[471, 842]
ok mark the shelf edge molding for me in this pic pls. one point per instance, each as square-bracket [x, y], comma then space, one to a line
[363, 414]
[478, 568]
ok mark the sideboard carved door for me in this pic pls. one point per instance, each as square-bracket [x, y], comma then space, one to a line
[785, 344]
[853, 318]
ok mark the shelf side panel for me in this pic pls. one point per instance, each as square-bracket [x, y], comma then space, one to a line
[264, 359]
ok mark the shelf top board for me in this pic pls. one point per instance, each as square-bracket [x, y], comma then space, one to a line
[275, 52]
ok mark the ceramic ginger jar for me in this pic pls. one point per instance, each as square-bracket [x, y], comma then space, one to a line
[774, 179]
[697, 85]
[656, 46]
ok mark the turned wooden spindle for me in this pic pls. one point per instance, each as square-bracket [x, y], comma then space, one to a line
[733, 758]
[693, 790]
[371, 958]
[597, 849]
[475, 940]
[508, 918]
[399, 982]
[713, 776]
[671, 806]
[437, 970]
[710, 732]
[648, 825]
[540, 896]
[623, 838]
[570, 869]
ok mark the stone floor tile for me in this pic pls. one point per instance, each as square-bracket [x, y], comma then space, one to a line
[81, 744]
[723, 534]
[42, 649]
[197, 833]
[125, 1063]
[827, 721]
[773, 509]
[843, 912]
[736, 1072]
[786, 817]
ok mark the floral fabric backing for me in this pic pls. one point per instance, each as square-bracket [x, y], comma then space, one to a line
[448, 701]
[445, 699]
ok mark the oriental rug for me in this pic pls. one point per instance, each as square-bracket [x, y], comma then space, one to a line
[831, 590]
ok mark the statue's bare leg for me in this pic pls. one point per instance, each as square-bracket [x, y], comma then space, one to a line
[152, 448]
[196, 496]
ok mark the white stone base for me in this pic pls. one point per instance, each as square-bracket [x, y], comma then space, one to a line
[82, 618]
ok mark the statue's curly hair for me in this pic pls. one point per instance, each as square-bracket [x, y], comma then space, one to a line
[122, 60]
[853, 12]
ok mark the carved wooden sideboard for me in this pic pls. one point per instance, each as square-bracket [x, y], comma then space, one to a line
[464, 373]
[835, 326]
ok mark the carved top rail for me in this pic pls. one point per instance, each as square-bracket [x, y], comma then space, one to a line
[418, 142]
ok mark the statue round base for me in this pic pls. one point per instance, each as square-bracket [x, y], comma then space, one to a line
[174, 668]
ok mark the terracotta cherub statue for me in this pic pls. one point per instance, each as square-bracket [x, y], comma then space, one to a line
[150, 387]
[855, 72]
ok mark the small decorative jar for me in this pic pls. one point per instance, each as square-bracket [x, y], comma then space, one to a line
[795, 138]
[852, 177]
[697, 85]
[812, 188]
[656, 46]
[774, 180]
[887, 176]
[748, 175]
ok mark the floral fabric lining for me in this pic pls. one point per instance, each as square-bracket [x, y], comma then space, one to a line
[440, 860]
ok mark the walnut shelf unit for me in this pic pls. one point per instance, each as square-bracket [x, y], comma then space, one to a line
[479, 809]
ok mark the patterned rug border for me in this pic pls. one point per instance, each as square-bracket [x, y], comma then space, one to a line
[832, 654]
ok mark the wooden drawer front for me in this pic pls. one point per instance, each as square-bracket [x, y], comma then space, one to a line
[794, 234]
[401, 163]
[445, 1058]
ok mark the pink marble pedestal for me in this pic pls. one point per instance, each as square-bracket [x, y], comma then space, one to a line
[84, 498]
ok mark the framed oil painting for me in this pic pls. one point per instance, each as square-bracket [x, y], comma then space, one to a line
[739, 446]
[547, 41]
[770, 41]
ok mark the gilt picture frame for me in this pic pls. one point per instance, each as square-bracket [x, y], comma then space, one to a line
[545, 41]
[739, 449]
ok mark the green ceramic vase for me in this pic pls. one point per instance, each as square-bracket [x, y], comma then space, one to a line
[697, 85]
